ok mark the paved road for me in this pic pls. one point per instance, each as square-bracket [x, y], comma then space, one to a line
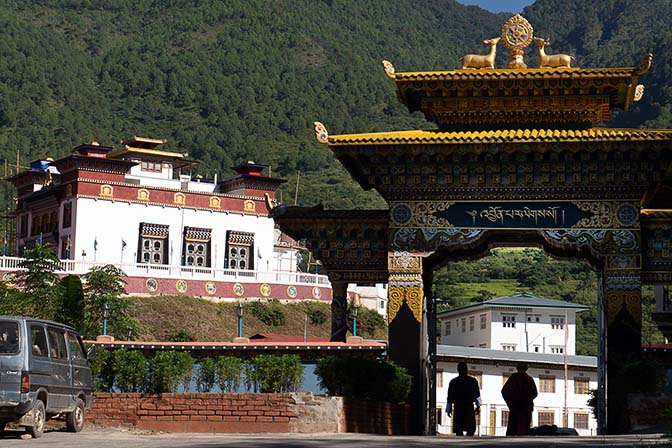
[114, 438]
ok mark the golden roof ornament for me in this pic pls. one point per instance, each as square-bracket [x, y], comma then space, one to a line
[389, 69]
[551, 60]
[481, 60]
[517, 34]
[321, 134]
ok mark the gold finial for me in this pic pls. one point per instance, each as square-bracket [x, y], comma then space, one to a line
[481, 60]
[389, 69]
[270, 203]
[644, 65]
[550, 60]
[517, 34]
[321, 134]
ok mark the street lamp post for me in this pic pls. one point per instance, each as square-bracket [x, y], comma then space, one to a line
[240, 319]
[354, 319]
[106, 314]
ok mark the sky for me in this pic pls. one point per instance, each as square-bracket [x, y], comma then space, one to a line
[499, 5]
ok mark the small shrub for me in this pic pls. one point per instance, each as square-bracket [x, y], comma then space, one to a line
[269, 313]
[276, 373]
[229, 373]
[205, 376]
[169, 369]
[130, 367]
[102, 369]
[181, 336]
[316, 312]
[383, 381]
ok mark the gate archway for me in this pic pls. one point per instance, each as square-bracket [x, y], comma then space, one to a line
[516, 159]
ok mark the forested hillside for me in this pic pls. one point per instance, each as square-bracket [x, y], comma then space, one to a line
[227, 81]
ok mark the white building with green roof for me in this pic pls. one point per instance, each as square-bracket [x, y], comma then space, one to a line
[517, 323]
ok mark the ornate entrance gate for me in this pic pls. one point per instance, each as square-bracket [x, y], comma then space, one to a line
[516, 160]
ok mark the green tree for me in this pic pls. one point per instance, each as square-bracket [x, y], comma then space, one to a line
[105, 285]
[73, 305]
[130, 367]
[276, 373]
[39, 284]
[170, 369]
[229, 373]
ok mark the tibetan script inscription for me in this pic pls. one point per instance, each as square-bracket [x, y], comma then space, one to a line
[514, 215]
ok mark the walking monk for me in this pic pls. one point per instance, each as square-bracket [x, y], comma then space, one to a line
[519, 393]
[463, 395]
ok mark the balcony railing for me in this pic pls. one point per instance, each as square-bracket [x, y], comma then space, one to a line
[80, 267]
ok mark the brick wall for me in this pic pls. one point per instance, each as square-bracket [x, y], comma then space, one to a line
[195, 412]
[248, 413]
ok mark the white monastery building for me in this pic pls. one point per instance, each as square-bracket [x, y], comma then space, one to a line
[170, 233]
[493, 336]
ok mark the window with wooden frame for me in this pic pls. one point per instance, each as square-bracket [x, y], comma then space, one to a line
[151, 165]
[504, 418]
[196, 247]
[557, 322]
[472, 320]
[581, 420]
[546, 418]
[67, 215]
[153, 243]
[239, 250]
[547, 384]
[509, 320]
[581, 385]
[484, 321]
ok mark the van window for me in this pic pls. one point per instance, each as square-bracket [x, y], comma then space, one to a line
[38, 341]
[9, 337]
[57, 344]
[76, 351]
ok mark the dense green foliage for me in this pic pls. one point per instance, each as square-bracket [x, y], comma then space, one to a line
[168, 370]
[173, 371]
[383, 381]
[206, 375]
[270, 313]
[38, 292]
[130, 367]
[275, 373]
[245, 79]
[229, 373]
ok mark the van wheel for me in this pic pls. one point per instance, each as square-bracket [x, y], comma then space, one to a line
[39, 420]
[75, 420]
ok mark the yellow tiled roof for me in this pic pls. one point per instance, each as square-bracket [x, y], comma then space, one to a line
[529, 73]
[145, 151]
[501, 136]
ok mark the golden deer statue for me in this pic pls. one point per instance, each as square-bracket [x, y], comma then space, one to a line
[551, 60]
[481, 60]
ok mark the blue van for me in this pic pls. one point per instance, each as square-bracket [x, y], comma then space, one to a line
[44, 374]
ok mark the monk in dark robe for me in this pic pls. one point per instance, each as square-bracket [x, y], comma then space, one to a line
[519, 393]
[464, 401]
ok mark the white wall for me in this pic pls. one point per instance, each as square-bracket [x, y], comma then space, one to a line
[109, 221]
[527, 334]
[492, 382]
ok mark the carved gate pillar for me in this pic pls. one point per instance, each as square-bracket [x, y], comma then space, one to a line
[622, 314]
[339, 309]
[405, 311]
